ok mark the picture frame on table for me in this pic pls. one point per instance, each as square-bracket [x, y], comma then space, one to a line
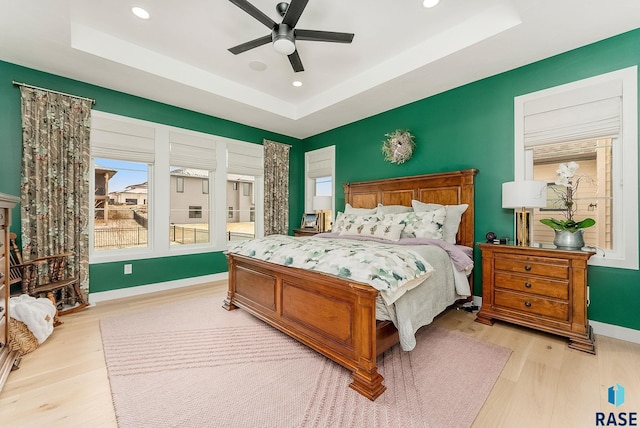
[309, 221]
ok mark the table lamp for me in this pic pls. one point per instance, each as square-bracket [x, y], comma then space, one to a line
[521, 195]
[321, 204]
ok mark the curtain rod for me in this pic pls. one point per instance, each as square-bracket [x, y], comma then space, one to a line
[51, 90]
[271, 141]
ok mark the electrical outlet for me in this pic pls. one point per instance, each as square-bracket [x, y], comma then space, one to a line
[128, 269]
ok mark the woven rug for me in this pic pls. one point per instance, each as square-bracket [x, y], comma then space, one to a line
[194, 364]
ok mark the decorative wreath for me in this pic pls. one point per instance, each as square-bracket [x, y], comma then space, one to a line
[398, 147]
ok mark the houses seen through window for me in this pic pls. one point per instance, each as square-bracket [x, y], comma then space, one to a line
[241, 207]
[121, 210]
[189, 207]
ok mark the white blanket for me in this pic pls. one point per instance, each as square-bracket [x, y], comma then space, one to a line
[36, 313]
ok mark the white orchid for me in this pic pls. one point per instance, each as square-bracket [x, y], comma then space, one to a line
[565, 173]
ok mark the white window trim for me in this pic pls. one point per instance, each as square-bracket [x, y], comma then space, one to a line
[329, 154]
[625, 222]
[158, 237]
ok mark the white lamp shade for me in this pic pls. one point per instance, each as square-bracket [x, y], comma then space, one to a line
[321, 203]
[524, 194]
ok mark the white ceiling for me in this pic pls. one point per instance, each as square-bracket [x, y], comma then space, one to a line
[401, 51]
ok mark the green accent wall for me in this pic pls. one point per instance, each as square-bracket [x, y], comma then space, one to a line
[109, 276]
[472, 127]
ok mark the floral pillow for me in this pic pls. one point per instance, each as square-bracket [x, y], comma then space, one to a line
[453, 217]
[427, 224]
[390, 232]
[343, 220]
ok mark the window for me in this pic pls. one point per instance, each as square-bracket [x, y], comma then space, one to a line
[319, 179]
[195, 211]
[120, 213]
[583, 122]
[193, 162]
[245, 165]
[122, 162]
[154, 159]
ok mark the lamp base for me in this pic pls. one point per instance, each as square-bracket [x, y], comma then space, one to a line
[522, 228]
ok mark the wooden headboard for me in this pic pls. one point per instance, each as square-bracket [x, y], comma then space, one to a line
[446, 188]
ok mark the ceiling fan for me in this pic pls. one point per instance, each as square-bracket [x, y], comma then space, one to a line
[284, 35]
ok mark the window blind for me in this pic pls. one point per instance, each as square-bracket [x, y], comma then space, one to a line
[122, 140]
[245, 158]
[191, 151]
[582, 113]
[320, 163]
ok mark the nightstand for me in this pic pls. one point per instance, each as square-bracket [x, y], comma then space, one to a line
[305, 232]
[540, 288]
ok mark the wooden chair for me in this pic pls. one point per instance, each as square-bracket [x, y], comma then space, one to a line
[47, 277]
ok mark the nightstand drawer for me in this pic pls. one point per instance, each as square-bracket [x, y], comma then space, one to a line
[534, 305]
[533, 285]
[554, 268]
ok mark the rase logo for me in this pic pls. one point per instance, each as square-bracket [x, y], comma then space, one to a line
[615, 396]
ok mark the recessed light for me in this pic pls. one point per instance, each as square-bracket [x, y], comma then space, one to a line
[140, 12]
[297, 83]
[257, 65]
[430, 3]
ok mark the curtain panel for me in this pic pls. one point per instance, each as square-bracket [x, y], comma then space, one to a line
[55, 178]
[276, 188]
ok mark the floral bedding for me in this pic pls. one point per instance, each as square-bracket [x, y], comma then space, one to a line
[391, 269]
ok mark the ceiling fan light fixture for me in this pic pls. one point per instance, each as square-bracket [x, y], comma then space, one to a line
[283, 40]
[430, 3]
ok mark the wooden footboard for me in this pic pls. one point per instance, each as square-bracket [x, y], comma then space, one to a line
[333, 316]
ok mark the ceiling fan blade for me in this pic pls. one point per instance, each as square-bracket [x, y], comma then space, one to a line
[250, 45]
[295, 61]
[295, 9]
[323, 36]
[255, 12]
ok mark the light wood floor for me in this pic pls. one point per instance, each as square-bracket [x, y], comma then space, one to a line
[544, 384]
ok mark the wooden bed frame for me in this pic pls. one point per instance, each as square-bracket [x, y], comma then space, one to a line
[334, 316]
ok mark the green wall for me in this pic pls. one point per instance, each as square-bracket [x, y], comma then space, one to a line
[467, 127]
[109, 276]
[472, 127]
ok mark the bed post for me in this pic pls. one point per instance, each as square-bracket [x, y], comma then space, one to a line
[366, 379]
[231, 291]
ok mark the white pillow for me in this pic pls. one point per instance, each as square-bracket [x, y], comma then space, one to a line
[393, 209]
[390, 232]
[452, 220]
[426, 224]
[348, 209]
[343, 219]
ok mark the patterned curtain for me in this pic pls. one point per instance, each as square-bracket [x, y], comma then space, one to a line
[276, 188]
[55, 178]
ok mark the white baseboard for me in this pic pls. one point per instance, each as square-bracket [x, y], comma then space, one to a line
[102, 296]
[609, 330]
[615, 331]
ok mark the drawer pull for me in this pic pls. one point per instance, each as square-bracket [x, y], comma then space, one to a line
[527, 304]
[527, 268]
[527, 285]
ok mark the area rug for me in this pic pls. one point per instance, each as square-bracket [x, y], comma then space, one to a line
[194, 364]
